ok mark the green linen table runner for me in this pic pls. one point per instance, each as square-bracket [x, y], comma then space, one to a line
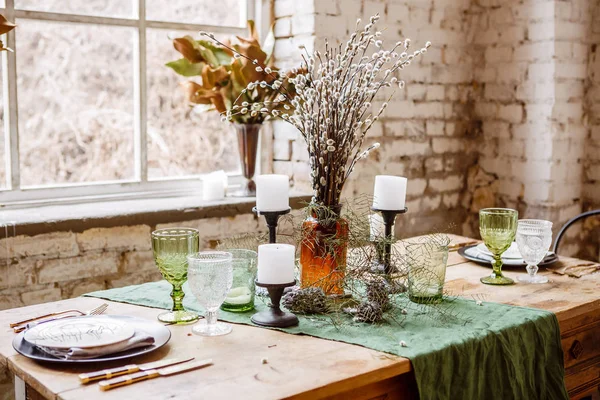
[487, 351]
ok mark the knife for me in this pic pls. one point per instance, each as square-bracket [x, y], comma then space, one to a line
[21, 328]
[128, 369]
[152, 373]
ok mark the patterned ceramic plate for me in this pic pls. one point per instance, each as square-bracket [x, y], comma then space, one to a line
[81, 332]
[472, 253]
[160, 333]
[512, 252]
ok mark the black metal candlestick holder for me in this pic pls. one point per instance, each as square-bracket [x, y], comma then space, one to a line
[274, 317]
[384, 252]
[272, 217]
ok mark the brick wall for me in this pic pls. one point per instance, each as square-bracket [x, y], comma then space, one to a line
[534, 64]
[58, 265]
[427, 133]
[591, 171]
[501, 111]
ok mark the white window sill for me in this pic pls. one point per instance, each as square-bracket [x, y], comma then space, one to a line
[79, 217]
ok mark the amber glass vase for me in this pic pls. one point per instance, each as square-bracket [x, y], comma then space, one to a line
[323, 250]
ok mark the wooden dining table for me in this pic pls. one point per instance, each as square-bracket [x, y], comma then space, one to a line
[257, 363]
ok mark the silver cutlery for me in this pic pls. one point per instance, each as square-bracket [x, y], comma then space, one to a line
[152, 373]
[131, 368]
[35, 321]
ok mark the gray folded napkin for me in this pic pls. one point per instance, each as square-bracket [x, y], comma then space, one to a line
[139, 339]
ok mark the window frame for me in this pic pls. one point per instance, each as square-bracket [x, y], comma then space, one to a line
[137, 187]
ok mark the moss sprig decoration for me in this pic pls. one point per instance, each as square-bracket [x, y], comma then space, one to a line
[310, 300]
[378, 292]
[368, 311]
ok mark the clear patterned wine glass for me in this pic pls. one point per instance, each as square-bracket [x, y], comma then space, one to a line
[210, 275]
[534, 237]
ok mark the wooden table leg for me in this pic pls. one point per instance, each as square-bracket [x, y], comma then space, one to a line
[20, 391]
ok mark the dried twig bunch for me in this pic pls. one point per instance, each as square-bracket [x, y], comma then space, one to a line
[329, 99]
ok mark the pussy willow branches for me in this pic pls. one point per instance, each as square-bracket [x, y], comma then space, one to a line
[329, 99]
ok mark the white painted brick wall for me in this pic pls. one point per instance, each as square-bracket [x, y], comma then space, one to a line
[545, 100]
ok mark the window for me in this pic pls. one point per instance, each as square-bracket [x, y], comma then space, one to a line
[90, 110]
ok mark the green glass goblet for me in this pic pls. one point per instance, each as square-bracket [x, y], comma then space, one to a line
[498, 227]
[171, 247]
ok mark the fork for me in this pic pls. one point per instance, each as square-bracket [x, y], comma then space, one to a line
[95, 311]
[13, 324]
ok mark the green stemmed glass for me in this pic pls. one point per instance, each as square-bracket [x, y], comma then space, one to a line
[498, 227]
[171, 247]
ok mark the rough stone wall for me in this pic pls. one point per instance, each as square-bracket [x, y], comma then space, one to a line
[427, 131]
[59, 265]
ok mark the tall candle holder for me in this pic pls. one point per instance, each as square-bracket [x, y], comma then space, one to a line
[272, 217]
[384, 253]
[274, 316]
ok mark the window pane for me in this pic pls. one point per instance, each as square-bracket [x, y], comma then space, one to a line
[2, 138]
[209, 12]
[75, 85]
[181, 141]
[99, 8]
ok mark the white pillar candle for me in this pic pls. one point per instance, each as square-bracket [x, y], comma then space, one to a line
[276, 263]
[214, 185]
[377, 227]
[389, 192]
[272, 192]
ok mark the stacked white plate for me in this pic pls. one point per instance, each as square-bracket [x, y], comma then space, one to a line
[91, 338]
[79, 333]
[512, 256]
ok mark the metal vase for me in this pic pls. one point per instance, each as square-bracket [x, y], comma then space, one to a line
[247, 135]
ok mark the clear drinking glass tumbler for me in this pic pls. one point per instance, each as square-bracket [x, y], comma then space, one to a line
[241, 296]
[426, 271]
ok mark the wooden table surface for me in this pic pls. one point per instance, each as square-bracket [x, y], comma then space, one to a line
[299, 367]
